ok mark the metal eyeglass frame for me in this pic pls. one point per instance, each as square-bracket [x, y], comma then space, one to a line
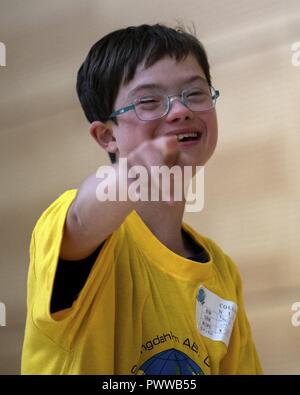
[182, 97]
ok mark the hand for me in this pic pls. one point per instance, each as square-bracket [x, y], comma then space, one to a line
[162, 151]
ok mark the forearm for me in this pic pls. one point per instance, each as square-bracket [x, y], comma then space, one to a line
[92, 218]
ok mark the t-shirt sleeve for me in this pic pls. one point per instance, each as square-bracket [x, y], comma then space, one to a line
[44, 253]
[44, 256]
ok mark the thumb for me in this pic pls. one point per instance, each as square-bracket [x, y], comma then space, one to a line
[170, 150]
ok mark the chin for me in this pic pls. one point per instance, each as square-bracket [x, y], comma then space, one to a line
[187, 160]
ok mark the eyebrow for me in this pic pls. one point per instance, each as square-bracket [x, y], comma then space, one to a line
[152, 86]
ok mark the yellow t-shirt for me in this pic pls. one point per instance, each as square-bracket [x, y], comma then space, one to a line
[143, 309]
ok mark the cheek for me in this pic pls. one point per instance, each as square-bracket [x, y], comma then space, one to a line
[212, 127]
[132, 133]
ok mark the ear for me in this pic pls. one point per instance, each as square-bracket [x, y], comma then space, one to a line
[103, 134]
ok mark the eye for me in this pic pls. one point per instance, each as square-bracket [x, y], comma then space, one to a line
[150, 99]
[149, 102]
[196, 92]
[197, 95]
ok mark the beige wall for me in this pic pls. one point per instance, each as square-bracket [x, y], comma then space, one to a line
[252, 186]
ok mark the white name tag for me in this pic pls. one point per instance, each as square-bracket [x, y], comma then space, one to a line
[215, 316]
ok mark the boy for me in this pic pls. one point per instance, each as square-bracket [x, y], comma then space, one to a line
[125, 287]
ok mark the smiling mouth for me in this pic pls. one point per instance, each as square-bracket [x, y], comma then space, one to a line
[192, 136]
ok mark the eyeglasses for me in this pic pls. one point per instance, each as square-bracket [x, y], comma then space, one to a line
[152, 107]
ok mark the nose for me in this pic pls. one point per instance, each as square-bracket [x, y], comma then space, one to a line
[177, 109]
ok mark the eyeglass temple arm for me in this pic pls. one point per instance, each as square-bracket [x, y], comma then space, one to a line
[121, 111]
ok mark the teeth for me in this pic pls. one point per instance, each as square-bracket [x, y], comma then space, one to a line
[183, 135]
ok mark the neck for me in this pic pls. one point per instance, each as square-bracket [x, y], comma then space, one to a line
[164, 221]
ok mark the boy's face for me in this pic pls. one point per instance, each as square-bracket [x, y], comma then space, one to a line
[171, 77]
